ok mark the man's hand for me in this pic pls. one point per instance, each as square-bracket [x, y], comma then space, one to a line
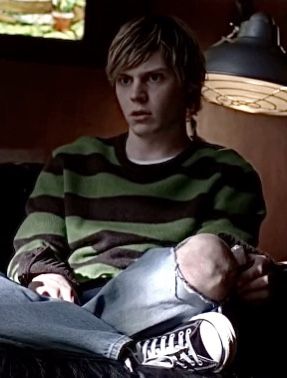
[253, 283]
[54, 286]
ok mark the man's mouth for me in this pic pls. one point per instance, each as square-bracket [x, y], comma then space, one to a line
[140, 113]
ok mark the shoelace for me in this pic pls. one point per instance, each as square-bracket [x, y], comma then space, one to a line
[174, 351]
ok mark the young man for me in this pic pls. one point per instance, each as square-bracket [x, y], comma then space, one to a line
[136, 218]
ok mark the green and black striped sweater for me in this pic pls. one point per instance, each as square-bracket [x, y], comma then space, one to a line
[96, 210]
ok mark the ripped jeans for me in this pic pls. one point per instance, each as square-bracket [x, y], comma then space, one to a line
[148, 298]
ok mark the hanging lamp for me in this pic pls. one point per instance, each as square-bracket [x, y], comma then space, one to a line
[247, 70]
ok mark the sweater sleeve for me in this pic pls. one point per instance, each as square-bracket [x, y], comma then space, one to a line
[41, 244]
[237, 206]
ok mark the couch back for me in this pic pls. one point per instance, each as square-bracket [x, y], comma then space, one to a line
[17, 182]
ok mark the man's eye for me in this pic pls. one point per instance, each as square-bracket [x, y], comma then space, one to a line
[124, 80]
[155, 77]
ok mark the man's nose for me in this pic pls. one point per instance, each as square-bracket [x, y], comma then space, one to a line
[138, 92]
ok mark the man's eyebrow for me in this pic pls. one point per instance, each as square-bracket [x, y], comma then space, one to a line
[147, 72]
[156, 69]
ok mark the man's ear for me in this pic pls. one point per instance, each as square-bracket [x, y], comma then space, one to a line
[193, 98]
[189, 99]
[191, 122]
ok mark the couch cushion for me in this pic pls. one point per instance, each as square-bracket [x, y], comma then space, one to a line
[17, 182]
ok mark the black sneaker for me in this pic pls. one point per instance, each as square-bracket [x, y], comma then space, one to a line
[206, 343]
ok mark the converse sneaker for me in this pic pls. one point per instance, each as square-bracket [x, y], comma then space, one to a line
[206, 343]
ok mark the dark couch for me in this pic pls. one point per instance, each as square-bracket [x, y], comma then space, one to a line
[17, 182]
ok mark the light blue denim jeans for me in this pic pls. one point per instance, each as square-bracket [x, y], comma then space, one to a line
[148, 298]
[29, 319]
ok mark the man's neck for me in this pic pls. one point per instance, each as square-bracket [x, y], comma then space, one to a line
[154, 148]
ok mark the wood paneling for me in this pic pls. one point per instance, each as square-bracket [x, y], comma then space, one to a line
[45, 106]
[262, 140]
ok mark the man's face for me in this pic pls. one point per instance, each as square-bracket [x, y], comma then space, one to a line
[151, 97]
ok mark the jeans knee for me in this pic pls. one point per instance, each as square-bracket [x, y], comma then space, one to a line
[207, 264]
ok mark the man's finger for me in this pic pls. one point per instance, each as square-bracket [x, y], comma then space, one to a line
[253, 296]
[67, 295]
[257, 284]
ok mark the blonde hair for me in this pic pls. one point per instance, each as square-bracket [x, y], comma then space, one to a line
[138, 39]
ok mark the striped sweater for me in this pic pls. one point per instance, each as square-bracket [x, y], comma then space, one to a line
[93, 212]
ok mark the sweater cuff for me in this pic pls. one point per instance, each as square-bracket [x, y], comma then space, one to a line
[40, 261]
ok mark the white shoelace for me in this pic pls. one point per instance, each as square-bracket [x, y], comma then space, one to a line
[167, 352]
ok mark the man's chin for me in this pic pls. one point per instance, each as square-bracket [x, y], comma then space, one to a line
[141, 129]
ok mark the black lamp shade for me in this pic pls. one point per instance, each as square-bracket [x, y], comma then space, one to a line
[249, 70]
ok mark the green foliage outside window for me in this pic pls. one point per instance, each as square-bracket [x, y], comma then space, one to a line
[64, 5]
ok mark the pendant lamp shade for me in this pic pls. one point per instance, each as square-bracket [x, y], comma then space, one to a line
[248, 70]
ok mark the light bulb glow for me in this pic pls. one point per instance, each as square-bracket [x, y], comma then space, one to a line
[245, 94]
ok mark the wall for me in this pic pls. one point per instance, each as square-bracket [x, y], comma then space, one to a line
[43, 106]
[261, 140]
